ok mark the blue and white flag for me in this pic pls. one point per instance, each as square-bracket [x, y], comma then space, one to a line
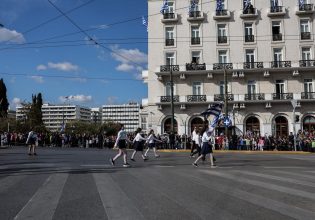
[164, 6]
[145, 23]
[213, 110]
[192, 6]
[246, 4]
[301, 3]
[219, 5]
[63, 127]
[227, 121]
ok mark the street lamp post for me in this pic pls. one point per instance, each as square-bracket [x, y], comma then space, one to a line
[225, 99]
[172, 98]
[294, 104]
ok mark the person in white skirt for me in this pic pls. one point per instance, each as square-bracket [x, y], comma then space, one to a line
[151, 141]
[121, 144]
[138, 143]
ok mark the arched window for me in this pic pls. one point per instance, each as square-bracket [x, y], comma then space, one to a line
[168, 126]
[281, 126]
[309, 123]
[253, 125]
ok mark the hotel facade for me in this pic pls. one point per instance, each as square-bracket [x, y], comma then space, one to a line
[266, 49]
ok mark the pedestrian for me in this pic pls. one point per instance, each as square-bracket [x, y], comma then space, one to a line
[206, 146]
[31, 141]
[196, 139]
[151, 140]
[138, 143]
[121, 144]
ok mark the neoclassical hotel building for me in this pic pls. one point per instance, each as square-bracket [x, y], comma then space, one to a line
[267, 50]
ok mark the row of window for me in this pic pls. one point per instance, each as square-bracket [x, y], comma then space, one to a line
[252, 88]
[250, 57]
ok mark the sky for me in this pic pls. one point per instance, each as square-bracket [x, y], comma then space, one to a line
[95, 61]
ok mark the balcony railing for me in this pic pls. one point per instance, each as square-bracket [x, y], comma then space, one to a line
[308, 95]
[195, 66]
[195, 14]
[276, 9]
[222, 12]
[169, 15]
[220, 66]
[305, 35]
[282, 96]
[196, 98]
[249, 38]
[168, 68]
[168, 98]
[169, 42]
[280, 64]
[195, 40]
[277, 37]
[306, 7]
[249, 11]
[307, 63]
[253, 65]
[220, 97]
[254, 97]
[222, 39]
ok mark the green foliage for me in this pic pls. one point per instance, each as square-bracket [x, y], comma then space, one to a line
[4, 104]
[79, 127]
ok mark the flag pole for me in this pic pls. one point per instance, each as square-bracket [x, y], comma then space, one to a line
[225, 99]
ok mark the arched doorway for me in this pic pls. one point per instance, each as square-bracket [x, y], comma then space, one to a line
[281, 126]
[168, 126]
[253, 125]
[196, 122]
[309, 123]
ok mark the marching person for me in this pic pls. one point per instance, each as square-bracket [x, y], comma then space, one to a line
[121, 144]
[193, 146]
[206, 146]
[152, 144]
[138, 143]
[197, 142]
[31, 141]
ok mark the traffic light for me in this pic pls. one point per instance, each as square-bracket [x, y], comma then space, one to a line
[297, 118]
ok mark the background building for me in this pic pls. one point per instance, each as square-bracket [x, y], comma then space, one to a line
[96, 115]
[55, 116]
[266, 48]
[127, 114]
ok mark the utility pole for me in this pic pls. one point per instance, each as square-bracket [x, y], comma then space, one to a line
[172, 98]
[294, 104]
[225, 99]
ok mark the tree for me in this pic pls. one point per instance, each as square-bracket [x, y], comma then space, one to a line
[4, 104]
[34, 115]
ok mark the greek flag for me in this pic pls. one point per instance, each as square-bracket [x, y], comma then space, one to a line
[62, 129]
[145, 23]
[219, 5]
[227, 121]
[213, 110]
[164, 6]
[246, 5]
[192, 6]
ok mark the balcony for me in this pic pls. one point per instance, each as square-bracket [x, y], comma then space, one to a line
[169, 42]
[305, 35]
[168, 98]
[195, 41]
[196, 98]
[249, 38]
[195, 66]
[276, 11]
[277, 37]
[220, 97]
[195, 16]
[282, 96]
[280, 64]
[308, 95]
[255, 97]
[221, 66]
[221, 14]
[222, 39]
[249, 13]
[169, 17]
[305, 9]
[253, 65]
[307, 63]
[168, 68]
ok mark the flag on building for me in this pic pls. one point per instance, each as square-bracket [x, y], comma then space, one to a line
[213, 110]
[192, 6]
[145, 23]
[246, 5]
[164, 6]
[219, 5]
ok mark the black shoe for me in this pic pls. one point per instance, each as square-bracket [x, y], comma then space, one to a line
[35, 154]
[112, 162]
[145, 159]
[29, 154]
[214, 160]
[195, 165]
[133, 159]
[126, 165]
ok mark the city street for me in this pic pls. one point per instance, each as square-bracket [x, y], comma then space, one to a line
[76, 183]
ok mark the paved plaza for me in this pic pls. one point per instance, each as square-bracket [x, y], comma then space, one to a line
[80, 184]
